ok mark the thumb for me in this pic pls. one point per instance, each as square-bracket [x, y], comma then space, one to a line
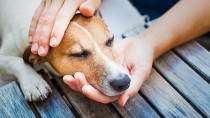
[80, 80]
[137, 78]
[89, 7]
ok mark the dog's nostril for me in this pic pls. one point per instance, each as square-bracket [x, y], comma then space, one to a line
[120, 83]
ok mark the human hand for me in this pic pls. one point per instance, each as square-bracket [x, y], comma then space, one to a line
[136, 54]
[79, 83]
[51, 20]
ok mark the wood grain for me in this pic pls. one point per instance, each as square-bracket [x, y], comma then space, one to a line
[136, 107]
[166, 99]
[85, 107]
[13, 104]
[197, 56]
[185, 80]
[54, 106]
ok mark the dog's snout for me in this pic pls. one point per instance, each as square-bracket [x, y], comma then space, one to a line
[120, 83]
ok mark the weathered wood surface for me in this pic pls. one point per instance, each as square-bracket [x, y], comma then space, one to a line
[84, 106]
[136, 107]
[197, 56]
[166, 99]
[185, 80]
[204, 41]
[13, 104]
[54, 106]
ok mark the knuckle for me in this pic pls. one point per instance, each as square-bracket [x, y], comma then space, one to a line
[46, 20]
[62, 16]
[44, 38]
[43, 41]
[36, 38]
[37, 32]
[31, 31]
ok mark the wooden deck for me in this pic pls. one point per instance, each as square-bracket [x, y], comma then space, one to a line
[177, 87]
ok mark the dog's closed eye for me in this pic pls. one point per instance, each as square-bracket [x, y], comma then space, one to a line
[82, 54]
[109, 42]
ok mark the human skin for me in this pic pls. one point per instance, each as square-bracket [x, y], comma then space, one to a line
[183, 22]
[51, 19]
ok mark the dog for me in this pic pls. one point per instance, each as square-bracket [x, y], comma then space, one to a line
[87, 47]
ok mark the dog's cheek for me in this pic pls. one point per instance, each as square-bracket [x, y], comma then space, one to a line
[61, 65]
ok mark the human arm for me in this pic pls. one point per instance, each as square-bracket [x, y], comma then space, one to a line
[183, 22]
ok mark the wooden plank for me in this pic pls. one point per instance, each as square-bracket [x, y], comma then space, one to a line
[166, 99]
[12, 103]
[136, 107]
[197, 56]
[54, 106]
[186, 81]
[84, 106]
[204, 41]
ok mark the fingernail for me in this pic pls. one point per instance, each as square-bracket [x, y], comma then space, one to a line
[125, 100]
[83, 88]
[41, 50]
[53, 41]
[34, 47]
[30, 40]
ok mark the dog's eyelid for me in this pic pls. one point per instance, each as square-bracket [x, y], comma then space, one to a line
[83, 54]
[109, 42]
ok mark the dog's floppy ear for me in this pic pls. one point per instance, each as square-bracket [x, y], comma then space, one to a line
[29, 57]
[36, 59]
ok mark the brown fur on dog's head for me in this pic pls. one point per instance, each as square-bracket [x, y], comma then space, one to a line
[86, 47]
[76, 54]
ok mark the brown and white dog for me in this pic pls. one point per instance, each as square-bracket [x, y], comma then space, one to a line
[87, 47]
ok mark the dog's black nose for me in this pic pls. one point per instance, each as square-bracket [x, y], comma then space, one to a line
[120, 83]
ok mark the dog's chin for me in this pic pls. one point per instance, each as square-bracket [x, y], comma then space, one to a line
[111, 94]
[108, 92]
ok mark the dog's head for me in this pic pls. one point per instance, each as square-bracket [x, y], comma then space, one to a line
[87, 47]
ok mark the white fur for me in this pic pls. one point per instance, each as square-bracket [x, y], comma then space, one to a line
[112, 67]
[15, 18]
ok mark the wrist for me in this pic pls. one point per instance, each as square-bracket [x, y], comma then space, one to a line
[158, 43]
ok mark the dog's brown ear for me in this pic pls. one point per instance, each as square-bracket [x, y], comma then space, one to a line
[36, 59]
[29, 57]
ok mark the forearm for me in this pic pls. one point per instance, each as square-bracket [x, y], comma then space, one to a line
[185, 21]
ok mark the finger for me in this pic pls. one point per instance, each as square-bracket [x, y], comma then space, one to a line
[34, 48]
[62, 20]
[138, 76]
[35, 45]
[48, 20]
[96, 95]
[89, 7]
[35, 20]
[70, 81]
[42, 50]
[80, 80]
